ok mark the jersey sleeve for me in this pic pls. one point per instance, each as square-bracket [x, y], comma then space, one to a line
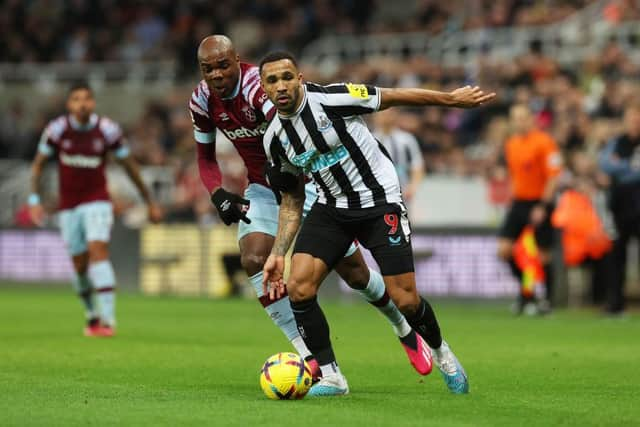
[114, 138]
[256, 96]
[46, 146]
[348, 99]
[204, 131]
[50, 138]
[276, 154]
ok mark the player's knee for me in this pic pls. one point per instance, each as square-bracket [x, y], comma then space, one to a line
[252, 263]
[98, 251]
[407, 302]
[504, 250]
[300, 290]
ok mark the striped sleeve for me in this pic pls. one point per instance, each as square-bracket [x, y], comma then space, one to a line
[204, 130]
[347, 99]
[255, 95]
[51, 136]
[114, 137]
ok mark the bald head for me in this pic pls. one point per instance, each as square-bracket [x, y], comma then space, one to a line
[219, 64]
[214, 45]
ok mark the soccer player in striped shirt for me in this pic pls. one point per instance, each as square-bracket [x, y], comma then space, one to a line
[229, 99]
[319, 133]
[81, 142]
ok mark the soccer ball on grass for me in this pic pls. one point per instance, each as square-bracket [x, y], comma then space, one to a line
[285, 376]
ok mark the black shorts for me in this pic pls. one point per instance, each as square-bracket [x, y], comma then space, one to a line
[517, 218]
[327, 232]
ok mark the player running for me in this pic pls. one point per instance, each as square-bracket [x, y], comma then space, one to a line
[80, 141]
[230, 99]
[319, 133]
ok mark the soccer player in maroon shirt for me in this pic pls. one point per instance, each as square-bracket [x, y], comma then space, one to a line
[80, 141]
[229, 99]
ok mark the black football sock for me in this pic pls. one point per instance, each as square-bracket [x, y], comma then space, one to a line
[410, 340]
[425, 323]
[314, 329]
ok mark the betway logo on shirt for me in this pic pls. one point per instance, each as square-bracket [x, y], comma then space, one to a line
[80, 161]
[243, 132]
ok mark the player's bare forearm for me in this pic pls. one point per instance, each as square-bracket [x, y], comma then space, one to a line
[289, 219]
[133, 171]
[464, 97]
[36, 172]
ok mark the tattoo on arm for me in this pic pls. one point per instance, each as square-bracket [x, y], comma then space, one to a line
[289, 219]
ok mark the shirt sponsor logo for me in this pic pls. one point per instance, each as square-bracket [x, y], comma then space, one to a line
[80, 161]
[312, 161]
[243, 132]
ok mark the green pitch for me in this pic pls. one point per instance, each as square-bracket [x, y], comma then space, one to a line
[196, 361]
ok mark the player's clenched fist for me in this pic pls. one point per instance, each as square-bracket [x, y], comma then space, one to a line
[468, 97]
[227, 205]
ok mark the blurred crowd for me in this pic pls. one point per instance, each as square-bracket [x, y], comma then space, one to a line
[132, 31]
[581, 107]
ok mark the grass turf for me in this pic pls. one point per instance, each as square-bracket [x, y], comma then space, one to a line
[196, 362]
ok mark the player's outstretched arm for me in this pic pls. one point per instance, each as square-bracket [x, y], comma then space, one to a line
[464, 97]
[289, 220]
[36, 211]
[132, 169]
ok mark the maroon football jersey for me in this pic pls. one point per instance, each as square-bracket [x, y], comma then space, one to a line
[243, 118]
[81, 152]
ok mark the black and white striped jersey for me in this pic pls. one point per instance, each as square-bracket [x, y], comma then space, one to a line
[404, 150]
[328, 141]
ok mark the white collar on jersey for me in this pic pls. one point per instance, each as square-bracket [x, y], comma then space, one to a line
[236, 90]
[76, 125]
[300, 107]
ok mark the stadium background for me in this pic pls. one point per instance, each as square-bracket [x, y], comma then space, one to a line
[576, 63]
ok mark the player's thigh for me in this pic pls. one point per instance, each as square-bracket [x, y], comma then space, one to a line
[263, 212]
[323, 236]
[72, 230]
[97, 223]
[306, 274]
[386, 233]
[97, 218]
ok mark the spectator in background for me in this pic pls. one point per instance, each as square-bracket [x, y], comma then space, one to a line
[534, 163]
[620, 159]
[404, 150]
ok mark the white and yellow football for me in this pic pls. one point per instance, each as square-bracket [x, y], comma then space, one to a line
[285, 376]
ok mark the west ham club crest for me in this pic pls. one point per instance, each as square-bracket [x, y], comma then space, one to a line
[249, 114]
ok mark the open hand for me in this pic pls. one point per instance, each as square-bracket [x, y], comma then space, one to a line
[273, 277]
[469, 97]
[37, 214]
